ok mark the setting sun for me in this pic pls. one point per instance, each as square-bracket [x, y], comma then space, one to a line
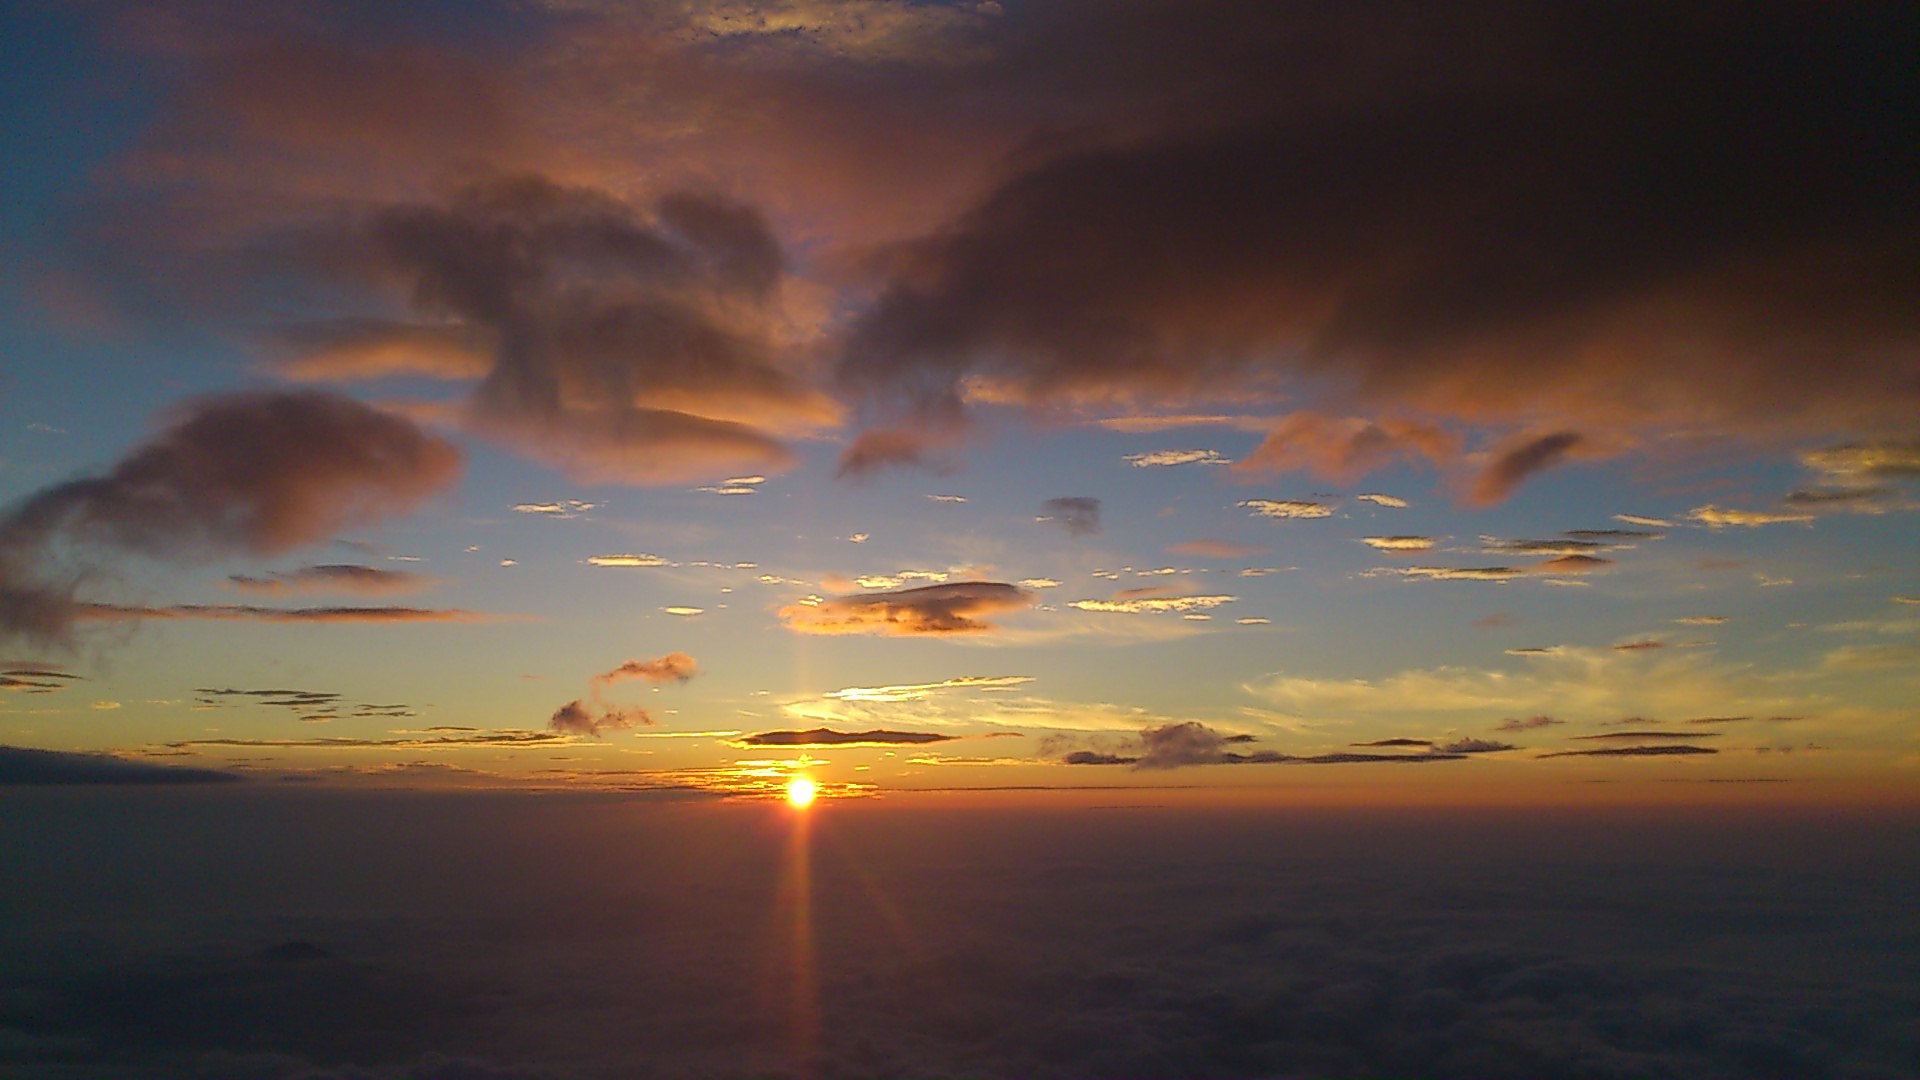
[800, 791]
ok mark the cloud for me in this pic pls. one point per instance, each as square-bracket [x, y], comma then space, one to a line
[1518, 459]
[953, 608]
[461, 737]
[1344, 449]
[1399, 543]
[1629, 736]
[1078, 514]
[1474, 746]
[1526, 723]
[1214, 549]
[1569, 238]
[1290, 508]
[1189, 742]
[1176, 457]
[253, 474]
[1717, 517]
[253, 613]
[1377, 499]
[332, 577]
[890, 448]
[1863, 464]
[22, 766]
[565, 508]
[673, 667]
[1134, 605]
[918, 691]
[628, 345]
[826, 737]
[579, 718]
[1664, 750]
[641, 561]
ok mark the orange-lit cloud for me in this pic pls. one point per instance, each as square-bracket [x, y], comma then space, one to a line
[1717, 517]
[1399, 543]
[954, 608]
[1287, 508]
[1214, 549]
[828, 737]
[673, 667]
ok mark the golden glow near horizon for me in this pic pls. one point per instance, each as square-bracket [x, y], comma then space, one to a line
[800, 792]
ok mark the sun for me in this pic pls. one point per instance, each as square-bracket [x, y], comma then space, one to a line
[800, 791]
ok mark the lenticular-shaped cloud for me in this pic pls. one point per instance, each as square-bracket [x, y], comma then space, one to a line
[828, 737]
[1287, 508]
[1399, 543]
[1130, 605]
[1715, 517]
[932, 610]
[257, 474]
[1163, 458]
[332, 577]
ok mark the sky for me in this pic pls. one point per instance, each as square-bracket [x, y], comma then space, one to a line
[979, 402]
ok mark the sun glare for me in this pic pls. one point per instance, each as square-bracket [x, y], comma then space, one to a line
[800, 791]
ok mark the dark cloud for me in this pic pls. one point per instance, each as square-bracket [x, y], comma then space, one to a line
[1078, 514]
[1189, 742]
[952, 608]
[1526, 723]
[1613, 216]
[1664, 750]
[256, 474]
[827, 737]
[1519, 459]
[506, 738]
[1474, 746]
[332, 577]
[1609, 536]
[597, 718]
[252, 613]
[19, 765]
[622, 345]
[1629, 736]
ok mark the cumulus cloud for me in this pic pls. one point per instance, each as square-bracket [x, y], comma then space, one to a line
[1287, 508]
[952, 608]
[254, 474]
[578, 717]
[332, 577]
[1078, 514]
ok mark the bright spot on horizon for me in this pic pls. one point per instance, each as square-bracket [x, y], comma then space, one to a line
[800, 792]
